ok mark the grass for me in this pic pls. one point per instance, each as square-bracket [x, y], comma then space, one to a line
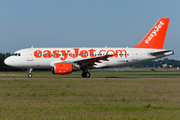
[54, 98]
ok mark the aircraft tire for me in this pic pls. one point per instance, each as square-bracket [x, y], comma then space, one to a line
[85, 74]
[30, 75]
[88, 74]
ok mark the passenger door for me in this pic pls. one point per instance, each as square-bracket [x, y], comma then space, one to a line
[29, 55]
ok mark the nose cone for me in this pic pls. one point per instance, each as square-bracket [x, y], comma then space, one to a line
[12, 61]
[7, 61]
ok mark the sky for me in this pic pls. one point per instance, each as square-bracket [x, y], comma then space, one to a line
[85, 23]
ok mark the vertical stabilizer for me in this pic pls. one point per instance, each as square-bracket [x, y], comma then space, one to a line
[156, 36]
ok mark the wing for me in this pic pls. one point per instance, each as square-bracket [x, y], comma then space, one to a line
[86, 62]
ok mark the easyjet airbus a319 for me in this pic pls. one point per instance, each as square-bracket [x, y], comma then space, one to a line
[66, 60]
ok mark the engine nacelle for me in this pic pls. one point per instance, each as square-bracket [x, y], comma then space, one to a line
[62, 68]
[65, 68]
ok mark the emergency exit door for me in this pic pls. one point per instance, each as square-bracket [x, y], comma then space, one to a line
[135, 55]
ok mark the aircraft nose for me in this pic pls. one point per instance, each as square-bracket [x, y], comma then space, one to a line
[8, 61]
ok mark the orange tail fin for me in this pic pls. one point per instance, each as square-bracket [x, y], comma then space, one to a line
[156, 36]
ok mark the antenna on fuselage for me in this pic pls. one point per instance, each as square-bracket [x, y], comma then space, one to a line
[32, 47]
[106, 46]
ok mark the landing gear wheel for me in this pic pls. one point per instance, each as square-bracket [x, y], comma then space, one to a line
[83, 74]
[30, 75]
[86, 74]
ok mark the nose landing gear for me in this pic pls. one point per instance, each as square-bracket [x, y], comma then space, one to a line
[30, 73]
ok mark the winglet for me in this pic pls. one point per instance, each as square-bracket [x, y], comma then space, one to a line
[156, 36]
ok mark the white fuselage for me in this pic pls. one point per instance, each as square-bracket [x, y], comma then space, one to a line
[45, 58]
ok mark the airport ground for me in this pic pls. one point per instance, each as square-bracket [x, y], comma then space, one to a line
[133, 95]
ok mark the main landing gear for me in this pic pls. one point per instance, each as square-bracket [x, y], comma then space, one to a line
[85, 74]
[30, 73]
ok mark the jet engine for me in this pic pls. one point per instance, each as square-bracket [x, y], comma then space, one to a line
[64, 68]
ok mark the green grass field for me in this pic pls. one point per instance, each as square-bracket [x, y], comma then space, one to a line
[49, 96]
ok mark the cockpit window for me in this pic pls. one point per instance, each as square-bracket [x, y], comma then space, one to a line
[16, 54]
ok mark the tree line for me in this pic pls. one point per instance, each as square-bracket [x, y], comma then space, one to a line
[163, 63]
[168, 63]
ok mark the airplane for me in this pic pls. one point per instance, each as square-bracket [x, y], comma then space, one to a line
[66, 60]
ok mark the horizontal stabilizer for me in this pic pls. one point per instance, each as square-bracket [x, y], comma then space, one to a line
[166, 52]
